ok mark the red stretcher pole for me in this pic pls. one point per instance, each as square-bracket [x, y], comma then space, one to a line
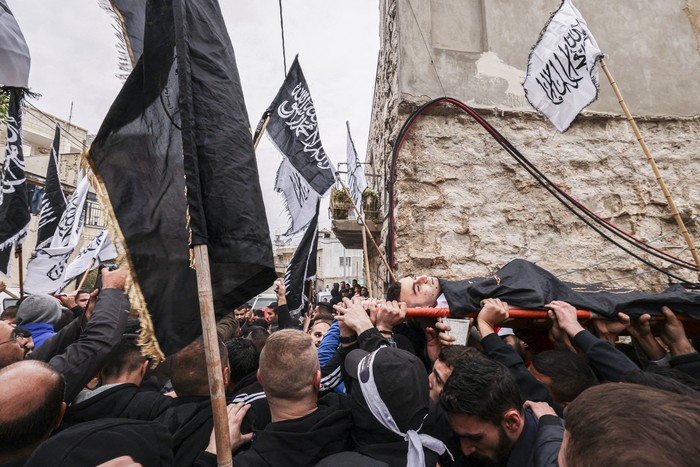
[513, 312]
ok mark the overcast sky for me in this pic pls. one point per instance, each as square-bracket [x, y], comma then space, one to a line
[74, 59]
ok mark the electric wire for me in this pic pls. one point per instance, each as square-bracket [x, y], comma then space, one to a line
[427, 48]
[569, 202]
[53, 124]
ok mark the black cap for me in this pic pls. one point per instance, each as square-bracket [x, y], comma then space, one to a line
[401, 381]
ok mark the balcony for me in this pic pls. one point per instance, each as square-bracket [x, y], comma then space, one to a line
[344, 218]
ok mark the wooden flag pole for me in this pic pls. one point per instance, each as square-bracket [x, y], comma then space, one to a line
[213, 358]
[18, 255]
[82, 280]
[255, 143]
[364, 225]
[12, 295]
[651, 161]
[368, 282]
[307, 318]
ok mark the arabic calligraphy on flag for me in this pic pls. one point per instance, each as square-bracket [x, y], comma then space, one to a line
[562, 71]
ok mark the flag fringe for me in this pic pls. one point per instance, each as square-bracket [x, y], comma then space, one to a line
[16, 237]
[147, 340]
[126, 56]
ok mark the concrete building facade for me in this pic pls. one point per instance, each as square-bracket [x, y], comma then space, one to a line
[463, 207]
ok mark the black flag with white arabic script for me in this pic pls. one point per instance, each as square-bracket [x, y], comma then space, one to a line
[53, 202]
[14, 205]
[138, 159]
[293, 128]
[302, 269]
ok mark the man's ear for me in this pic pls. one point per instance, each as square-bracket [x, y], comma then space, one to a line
[226, 371]
[257, 376]
[512, 421]
[144, 368]
[60, 415]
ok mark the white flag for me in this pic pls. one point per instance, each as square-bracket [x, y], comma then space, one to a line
[100, 249]
[356, 175]
[562, 72]
[14, 53]
[47, 268]
[300, 198]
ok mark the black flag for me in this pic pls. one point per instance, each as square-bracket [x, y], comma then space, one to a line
[302, 269]
[138, 158]
[130, 18]
[14, 205]
[53, 202]
[293, 128]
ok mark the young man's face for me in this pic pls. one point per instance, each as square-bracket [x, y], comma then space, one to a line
[419, 291]
[82, 299]
[480, 439]
[240, 315]
[437, 378]
[318, 332]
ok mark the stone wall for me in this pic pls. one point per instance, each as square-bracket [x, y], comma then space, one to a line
[385, 124]
[465, 208]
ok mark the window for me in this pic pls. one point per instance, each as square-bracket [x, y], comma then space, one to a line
[345, 261]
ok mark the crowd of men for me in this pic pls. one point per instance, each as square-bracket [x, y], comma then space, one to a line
[352, 382]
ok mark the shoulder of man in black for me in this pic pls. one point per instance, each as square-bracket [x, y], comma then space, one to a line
[121, 401]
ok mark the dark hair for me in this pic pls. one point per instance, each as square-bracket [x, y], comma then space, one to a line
[482, 388]
[125, 358]
[258, 313]
[9, 313]
[29, 425]
[452, 354]
[660, 381]
[80, 292]
[189, 369]
[272, 307]
[322, 318]
[394, 291]
[570, 374]
[258, 336]
[649, 426]
[326, 306]
[243, 358]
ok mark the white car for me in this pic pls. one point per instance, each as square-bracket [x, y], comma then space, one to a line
[324, 296]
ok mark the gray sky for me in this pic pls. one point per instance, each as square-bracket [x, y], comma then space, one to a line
[74, 59]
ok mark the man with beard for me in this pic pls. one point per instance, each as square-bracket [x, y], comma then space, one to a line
[485, 411]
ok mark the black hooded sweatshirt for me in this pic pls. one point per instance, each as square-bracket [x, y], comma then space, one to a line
[300, 442]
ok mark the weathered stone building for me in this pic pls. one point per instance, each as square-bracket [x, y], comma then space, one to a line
[464, 207]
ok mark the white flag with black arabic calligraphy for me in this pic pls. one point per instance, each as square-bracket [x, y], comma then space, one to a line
[47, 268]
[562, 72]
[99, 249]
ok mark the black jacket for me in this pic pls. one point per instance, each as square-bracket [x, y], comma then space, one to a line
[99, 441]
[608, 363]
[189, 420]
[121, 401]
[301, 442]
[77, 353]
[688, 364]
